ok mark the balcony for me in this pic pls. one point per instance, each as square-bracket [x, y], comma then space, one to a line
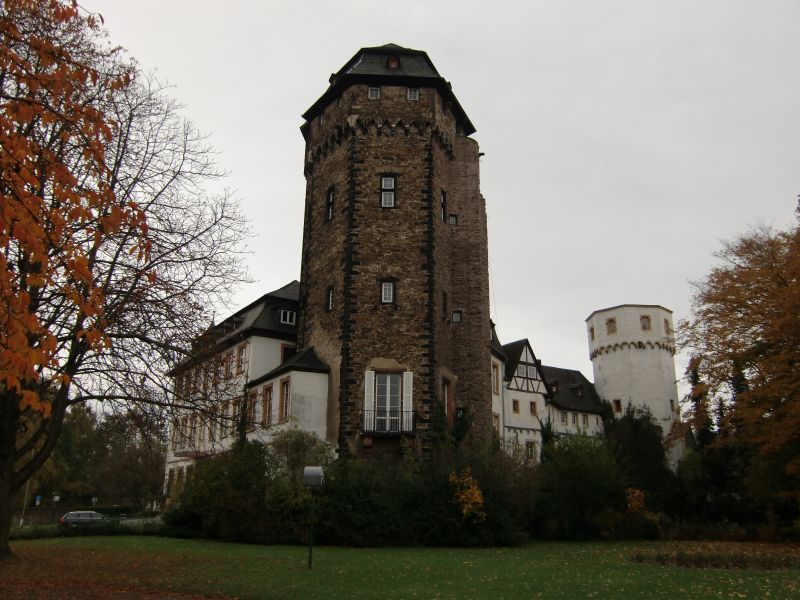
[388, 421]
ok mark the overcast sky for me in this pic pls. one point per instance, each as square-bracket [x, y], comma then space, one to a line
[624, 139]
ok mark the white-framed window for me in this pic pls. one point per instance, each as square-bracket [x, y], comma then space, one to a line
[531, 371]
[521, 370]
[452, 219]
[329, 198]
[388, 401]
[288, 317]
[388, 189]
[374, 93]
[387, 292]
[329, 299]
[412, 94]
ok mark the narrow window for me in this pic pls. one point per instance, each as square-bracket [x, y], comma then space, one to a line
[617, 404]
[329, 299]
[574, 419]
[591, 333]
[444, 305]
[374, 93]
[666, 327]
[611, 326]
[251, 410]
[227, 361]
[443, 203]
[533, 408]
[329, 197]
[452, 219]
[456, 318]
[387, 292]
[530, 450]
[586, 421]
[240, 359]
[266, 405]
[283, 415]
[644, 320]
[288, 317]
[413, 94]
[563, 418]
[515, 406]
[223, 423]
[496, 422]
[495, 378]
[388, 187]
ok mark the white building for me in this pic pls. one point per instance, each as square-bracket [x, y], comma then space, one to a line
[632, 349]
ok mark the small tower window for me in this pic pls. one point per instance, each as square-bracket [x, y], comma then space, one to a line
[388, 187]
[591, 333]
[452, 219]
[329, 299]
[413, 94]
[374, 93]
[645, 321]
[456, 316]
[611, 326]
[444, 205]
[387, 292]
[329, 197]
[666, 327]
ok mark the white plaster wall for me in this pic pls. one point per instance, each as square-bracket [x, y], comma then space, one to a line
[264, 355]
[633, 365]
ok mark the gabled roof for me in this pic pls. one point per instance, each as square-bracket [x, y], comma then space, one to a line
[570, 390]
[306, 361]
[370, 66]
[513, 351]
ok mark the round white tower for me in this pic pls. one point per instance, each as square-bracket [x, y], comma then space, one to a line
[632, 347]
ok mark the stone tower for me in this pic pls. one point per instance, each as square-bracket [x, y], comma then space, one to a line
[632, 348]
[394, 277]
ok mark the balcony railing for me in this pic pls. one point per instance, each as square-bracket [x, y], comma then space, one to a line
[388, 421]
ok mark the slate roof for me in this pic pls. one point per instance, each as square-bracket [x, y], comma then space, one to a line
[572, 391]
[370, 66]
[495, 345]
[306, 361]
[260, 317]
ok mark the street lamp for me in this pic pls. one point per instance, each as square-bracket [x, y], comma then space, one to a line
[313, 477]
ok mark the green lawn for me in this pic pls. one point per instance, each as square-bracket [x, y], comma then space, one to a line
[540, 570]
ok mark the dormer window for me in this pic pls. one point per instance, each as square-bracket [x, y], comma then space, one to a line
[393, 62]
[374, 93]
[413, 94]
[288, 317]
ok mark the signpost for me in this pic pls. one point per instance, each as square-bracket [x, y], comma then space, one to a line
[313, 477]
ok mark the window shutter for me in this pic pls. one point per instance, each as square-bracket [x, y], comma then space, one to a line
[369, 400]
[408, 395]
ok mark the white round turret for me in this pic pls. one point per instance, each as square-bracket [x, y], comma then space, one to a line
[632, 349]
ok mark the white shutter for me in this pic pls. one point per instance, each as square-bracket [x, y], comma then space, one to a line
[408, 395]
[369, 400]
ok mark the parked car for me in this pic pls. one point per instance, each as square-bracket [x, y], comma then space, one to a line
[81, 518]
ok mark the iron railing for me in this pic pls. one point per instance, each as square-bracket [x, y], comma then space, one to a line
[388, 421]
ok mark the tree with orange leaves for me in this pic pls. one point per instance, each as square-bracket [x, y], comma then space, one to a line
[110, 250]
[745, 328]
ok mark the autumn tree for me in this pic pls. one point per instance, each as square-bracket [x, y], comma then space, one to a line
[746, 330]
[112, 251]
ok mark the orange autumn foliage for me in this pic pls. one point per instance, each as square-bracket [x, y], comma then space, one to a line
[57, 206]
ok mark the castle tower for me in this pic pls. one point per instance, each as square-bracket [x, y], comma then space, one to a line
[394, 277]
[632, 347]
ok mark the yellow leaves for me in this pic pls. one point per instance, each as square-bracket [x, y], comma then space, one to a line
[467, 495]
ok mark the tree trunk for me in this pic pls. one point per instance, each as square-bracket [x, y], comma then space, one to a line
[9, 420]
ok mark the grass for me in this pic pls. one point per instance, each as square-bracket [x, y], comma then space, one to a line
[101, 566]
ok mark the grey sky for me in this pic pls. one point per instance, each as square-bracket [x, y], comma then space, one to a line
[623, 139]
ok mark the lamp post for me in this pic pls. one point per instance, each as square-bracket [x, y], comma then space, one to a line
[313, 477]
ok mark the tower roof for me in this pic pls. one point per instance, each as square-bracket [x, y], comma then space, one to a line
[390, 64]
